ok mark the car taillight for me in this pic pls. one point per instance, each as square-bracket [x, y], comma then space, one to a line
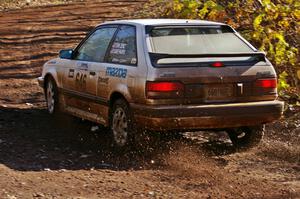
[164, 89]
[266, 83]
[217, 64]
[164, 86]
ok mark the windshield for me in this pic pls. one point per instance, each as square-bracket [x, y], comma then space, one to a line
[196, 40]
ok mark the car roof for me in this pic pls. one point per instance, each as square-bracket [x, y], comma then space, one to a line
[157, 22]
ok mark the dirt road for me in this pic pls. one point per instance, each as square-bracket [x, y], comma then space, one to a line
[43, 158]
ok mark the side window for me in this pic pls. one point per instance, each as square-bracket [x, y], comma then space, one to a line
[94, 48]
[123, 49]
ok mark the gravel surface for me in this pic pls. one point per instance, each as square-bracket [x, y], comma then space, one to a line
[42, 157]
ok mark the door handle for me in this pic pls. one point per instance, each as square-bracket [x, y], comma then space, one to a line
[92, 73]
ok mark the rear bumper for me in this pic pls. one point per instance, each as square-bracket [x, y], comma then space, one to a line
[41, 81]
[194, 117]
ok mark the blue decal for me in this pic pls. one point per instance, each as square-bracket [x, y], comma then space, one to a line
[116, 72]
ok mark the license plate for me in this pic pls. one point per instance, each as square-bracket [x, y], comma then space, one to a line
[219, 92]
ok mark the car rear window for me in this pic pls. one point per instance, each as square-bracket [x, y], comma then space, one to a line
[198, 44]
[196, 40]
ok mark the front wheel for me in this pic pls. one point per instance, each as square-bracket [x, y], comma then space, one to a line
[51, 94]
[246, 137]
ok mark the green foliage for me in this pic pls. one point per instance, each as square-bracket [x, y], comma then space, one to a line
[272, 26]
[282, 81]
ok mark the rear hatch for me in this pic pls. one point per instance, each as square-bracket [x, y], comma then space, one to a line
[206, 64]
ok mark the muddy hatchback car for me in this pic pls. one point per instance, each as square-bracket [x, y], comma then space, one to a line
[137, 76]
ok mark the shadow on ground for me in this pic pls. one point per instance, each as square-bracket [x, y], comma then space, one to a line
[31, 140]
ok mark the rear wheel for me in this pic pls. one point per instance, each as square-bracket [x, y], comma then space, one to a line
[121, 124]
[246, 137]
[126, 136]
[51, 94]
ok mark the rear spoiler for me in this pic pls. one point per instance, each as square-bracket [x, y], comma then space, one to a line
[155, 57]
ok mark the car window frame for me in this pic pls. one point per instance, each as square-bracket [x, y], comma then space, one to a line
[88, 36]
[112, 41]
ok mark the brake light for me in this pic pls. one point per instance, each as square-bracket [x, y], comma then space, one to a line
[164, 86]
[164, 90]
[266, 83]
[217, 64]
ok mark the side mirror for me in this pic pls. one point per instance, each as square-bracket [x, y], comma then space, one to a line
[66, 54]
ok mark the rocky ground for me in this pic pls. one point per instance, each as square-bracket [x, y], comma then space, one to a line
[43, 158]
[19, 4]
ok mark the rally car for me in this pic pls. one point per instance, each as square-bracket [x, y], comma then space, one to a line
[165, 75]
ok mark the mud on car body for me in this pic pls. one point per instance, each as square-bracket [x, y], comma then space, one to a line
[165, 75]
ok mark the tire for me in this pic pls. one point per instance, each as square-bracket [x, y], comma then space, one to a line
[51, 95]
[121, 125]
[131, 139]
[246, 137]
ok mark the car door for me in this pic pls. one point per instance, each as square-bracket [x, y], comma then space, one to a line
[121, 62]
[80, 80]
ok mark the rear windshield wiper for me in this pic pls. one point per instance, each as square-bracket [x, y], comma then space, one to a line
[155, 57]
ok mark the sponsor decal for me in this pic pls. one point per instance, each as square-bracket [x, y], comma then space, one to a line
[118, 48]
[83, 66]
[71, 73]
[133, 61]
[116, 72]
[168, 74]
[103, 80]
